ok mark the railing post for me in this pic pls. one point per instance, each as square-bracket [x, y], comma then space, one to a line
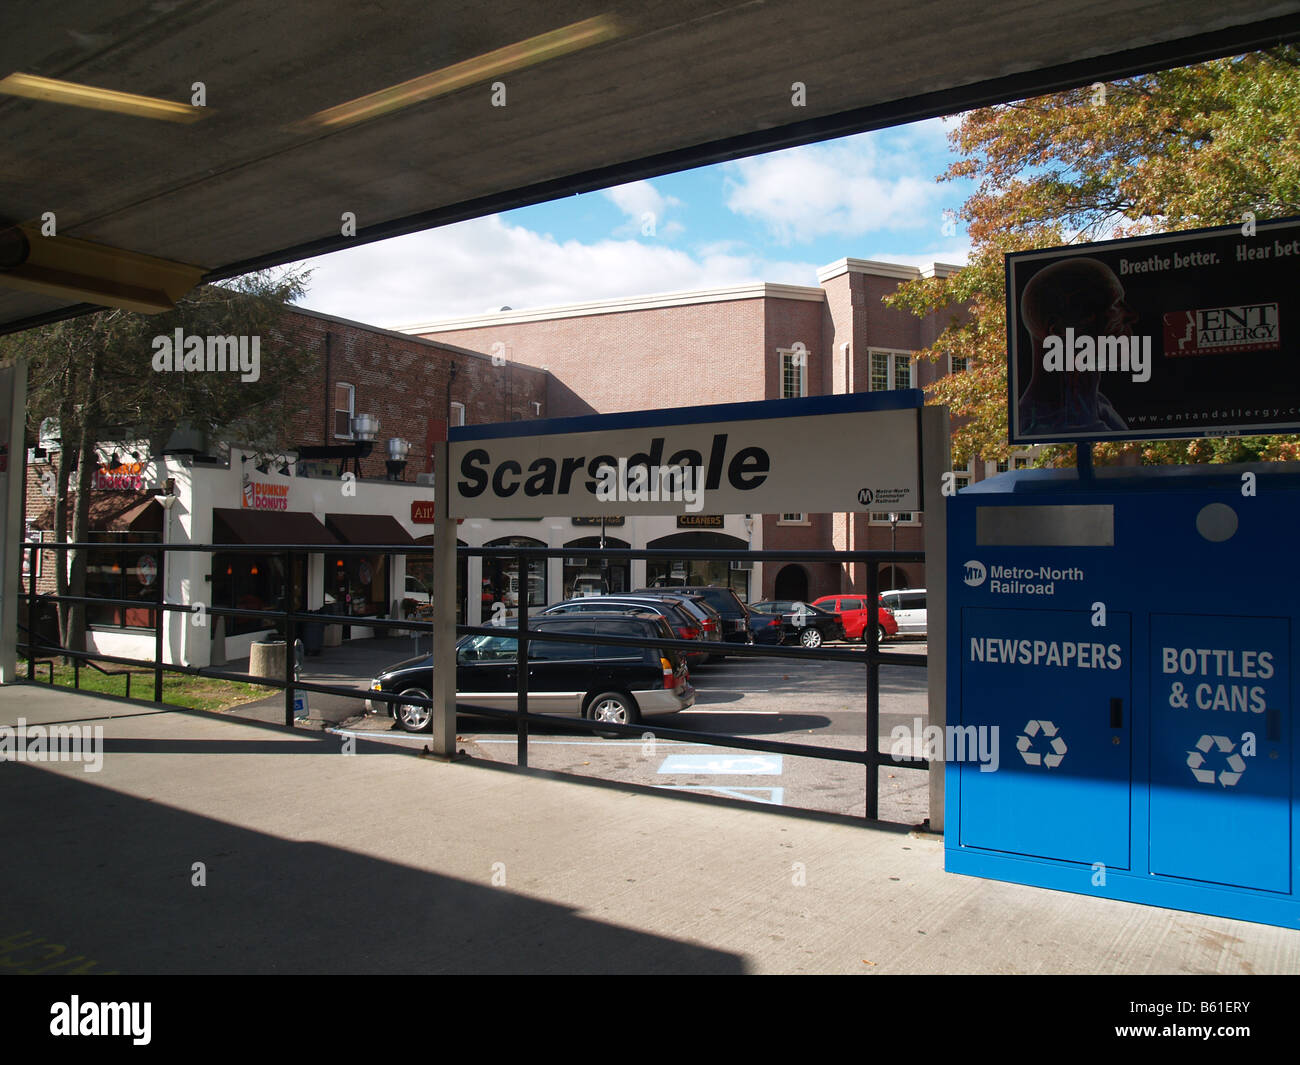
[873, 693]
[521, 665]
[290, 636]
[158, 626]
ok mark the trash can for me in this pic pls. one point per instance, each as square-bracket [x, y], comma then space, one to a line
[313, 633]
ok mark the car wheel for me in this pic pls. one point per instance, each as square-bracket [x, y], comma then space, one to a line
[415, 718]
[810, 638]
[615, 707]
[882, 634]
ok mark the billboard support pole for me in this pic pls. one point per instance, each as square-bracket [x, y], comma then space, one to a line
[936, 460]
[1083, 459]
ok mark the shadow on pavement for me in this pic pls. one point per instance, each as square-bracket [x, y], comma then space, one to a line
[104, 885]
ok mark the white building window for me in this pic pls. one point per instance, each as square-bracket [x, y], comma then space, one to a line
[457, 414]
[957, 363]
[891, 370]
[794, 373]
[345, 399]
[905, 517]
[793, 519]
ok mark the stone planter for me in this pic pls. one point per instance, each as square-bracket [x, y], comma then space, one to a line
[267, 658]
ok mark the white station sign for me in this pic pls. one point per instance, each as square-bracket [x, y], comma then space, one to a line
[826, 461]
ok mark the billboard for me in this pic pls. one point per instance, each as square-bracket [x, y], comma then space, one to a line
[820, 454]
[1176, 335]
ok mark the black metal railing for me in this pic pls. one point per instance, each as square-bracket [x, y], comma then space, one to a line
[871, 758]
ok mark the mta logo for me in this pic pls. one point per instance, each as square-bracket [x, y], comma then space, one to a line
[974, 573]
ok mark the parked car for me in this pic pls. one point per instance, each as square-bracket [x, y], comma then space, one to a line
[709, 620]
[908, 607]
[766, 628]
[854, 616]
[687, 621]
[735, 616]
[598, 681]
[803, 623]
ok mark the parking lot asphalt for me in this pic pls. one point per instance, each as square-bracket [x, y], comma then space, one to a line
[209, 844]
[814, 703]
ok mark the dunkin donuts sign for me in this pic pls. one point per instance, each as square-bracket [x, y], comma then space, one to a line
[262, 495]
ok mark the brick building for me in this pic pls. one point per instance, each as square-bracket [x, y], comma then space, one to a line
[742, 343]
[209, 491]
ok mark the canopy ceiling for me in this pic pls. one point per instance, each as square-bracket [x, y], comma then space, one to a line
[298, 128]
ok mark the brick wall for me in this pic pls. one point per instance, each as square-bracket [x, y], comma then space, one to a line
[644, 359]
[403, 381]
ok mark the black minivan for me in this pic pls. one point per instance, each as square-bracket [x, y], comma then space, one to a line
[599, 681]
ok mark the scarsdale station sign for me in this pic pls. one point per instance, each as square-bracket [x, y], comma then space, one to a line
[1178, 335]
[821, 454]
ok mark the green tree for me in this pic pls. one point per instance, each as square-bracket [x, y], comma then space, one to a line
[1179, 149]
[95, 376]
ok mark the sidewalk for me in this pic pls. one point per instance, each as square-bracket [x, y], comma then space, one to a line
[384, 861]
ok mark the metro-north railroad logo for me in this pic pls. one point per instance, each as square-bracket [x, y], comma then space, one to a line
[974, 573]
[1209, 330]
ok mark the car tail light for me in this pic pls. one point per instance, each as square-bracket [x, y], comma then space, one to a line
[774, 621]
[689, 632]
[670, 679]
[710, 625]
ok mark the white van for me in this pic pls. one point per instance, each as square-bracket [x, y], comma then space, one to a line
[908, 607]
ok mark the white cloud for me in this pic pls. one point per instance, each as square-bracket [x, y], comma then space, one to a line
[641, 202]
[845, 188]
[484, 264]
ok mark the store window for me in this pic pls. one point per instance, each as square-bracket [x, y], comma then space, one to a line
[359, 583]
[503, 583]
[122, 571]
[584, 575]
[253, 582]
[417, 598]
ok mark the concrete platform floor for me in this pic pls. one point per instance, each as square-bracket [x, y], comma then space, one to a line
[318, 860]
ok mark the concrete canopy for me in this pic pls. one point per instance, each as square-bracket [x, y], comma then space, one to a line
[596, 94]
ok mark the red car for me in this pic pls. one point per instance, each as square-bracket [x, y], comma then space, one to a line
[854, 615]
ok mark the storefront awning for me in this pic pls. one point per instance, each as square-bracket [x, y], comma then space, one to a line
[368, 529]
[112, 512]
[269, 527]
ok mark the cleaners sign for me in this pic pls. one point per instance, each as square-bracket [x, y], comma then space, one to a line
[821, 454]
[1177, 335]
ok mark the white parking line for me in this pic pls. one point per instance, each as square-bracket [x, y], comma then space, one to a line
[776, 796]
[747, 713]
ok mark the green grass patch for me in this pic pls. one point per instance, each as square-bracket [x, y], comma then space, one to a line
[179, 689]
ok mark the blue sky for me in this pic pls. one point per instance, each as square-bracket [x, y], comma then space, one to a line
[775, 217]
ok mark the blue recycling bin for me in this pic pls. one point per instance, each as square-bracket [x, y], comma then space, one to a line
[1126, 643]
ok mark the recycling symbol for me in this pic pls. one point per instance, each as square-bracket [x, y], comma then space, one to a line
[1026, 740]
[1196, 761]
